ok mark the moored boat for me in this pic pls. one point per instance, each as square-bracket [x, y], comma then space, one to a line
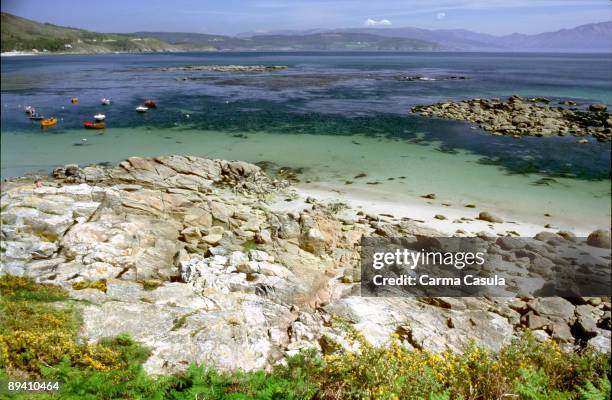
[105, 101]
[141, 109]
[29, 110]
[36, 116]
[94, 125]
[47, 122]
[99, 117]
[150, 103]
[74, 100]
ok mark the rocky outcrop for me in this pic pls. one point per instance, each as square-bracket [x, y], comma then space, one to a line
[201, 267]
[599, 238]
[525, 117]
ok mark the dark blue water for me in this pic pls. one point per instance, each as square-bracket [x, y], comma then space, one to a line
[320, 93]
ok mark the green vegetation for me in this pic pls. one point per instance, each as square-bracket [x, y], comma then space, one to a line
[316, 41]
[38, 339]
[151, 284]
[249, 245]
[99, 285]
[525, 368]
[38, 329]
[24, 35]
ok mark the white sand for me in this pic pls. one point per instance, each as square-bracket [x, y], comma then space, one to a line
[371, 201]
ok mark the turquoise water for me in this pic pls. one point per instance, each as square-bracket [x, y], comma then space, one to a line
[333, 115]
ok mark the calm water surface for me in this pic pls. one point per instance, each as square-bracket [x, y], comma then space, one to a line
[332, 114]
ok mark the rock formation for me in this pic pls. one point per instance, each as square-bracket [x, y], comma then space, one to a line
[526, 117]
[202, 267]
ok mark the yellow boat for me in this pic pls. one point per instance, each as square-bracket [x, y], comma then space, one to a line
[45, 123]
[74, 100]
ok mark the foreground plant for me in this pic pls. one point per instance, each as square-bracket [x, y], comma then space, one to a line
[38, 339]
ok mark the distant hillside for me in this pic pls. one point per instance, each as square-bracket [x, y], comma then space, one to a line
[595, 37]
[22, 34]
[25, 35]
[590, 37]
[314, 41]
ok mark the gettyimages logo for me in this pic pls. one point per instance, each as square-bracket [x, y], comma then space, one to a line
[460, 267]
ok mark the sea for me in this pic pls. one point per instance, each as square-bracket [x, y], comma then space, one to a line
[330, 117]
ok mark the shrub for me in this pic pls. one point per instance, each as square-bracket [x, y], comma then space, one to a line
[249, 245]
[525, 367]
[99, 284]
[20, 288]
[38, 339]
[34, 332]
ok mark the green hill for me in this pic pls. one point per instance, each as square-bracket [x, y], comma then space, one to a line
[22, 34]
[316, 41]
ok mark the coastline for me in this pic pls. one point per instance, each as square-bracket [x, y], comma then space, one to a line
[93, 53]
[325, 173]
[424, 212]
[177, 250]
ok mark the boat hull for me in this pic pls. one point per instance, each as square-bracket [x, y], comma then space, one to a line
[49, 122]
[94, 125]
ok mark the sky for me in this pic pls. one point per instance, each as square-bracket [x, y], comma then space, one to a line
[497, 17]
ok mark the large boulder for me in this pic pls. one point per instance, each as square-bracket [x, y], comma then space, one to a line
[599, 238]
[598, 107]
[556, 308]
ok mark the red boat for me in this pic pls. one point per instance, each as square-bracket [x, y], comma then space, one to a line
[150, 104]
[94, 125]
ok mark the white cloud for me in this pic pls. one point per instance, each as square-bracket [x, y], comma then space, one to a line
[441, 15]
[380, 22]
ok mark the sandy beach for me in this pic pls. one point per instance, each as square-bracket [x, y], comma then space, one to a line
[459, 220]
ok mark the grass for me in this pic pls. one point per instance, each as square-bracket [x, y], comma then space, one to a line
[38, 338]
[38, 329]
[151, 284]
[249, 245]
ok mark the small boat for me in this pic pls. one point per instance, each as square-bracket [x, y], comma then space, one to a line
[74, 100]
[99, 117]
[94, 125]
[47, 122]
[141, 109]
[105, 101]
[150, 104]
[36, 116]
[29, 110]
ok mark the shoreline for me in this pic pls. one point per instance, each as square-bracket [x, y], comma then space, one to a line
[440, 214]
[186, 247]
[424, 211]
[76, 53]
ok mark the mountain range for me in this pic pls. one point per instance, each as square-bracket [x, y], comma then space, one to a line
[20, 34]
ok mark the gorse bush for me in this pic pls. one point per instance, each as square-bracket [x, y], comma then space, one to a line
[525, 367]
[37, 331]
[14, 288]
[38, 338]
[99, 285]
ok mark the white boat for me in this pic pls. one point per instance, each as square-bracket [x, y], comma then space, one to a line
[105, 101]
[141, 109]
[29, 110]
[99, 117]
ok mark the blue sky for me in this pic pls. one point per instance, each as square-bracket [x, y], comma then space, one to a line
[234, 16]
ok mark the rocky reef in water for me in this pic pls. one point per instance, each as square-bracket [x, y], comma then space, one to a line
[201, 266]
[527, 117]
